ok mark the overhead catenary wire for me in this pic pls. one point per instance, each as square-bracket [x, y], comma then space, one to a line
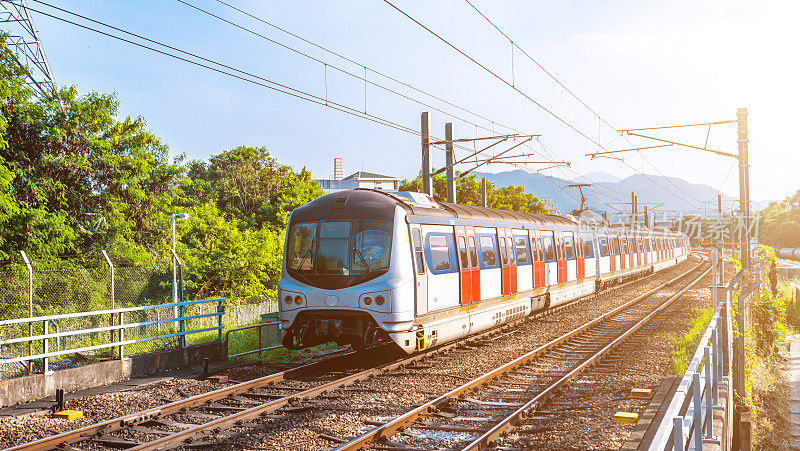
[550, 155]
[493, 73]
[595, 113]
[229, 70]
[549, 74]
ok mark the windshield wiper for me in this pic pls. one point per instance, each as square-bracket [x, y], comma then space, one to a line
[363, 260]
[305, 256]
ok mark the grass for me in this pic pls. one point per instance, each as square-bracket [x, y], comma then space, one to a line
[684, 346]
[771, 400]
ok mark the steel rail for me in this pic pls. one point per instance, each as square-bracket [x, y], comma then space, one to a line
[89, 431]
[523, 412]
[177, 439]
[409, 417]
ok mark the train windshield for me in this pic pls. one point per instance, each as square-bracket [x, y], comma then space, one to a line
[338, 254]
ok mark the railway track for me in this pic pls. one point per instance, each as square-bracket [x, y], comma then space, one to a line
[477, 413]
[187, 421]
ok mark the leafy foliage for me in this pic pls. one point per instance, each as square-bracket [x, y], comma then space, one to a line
[75, 179]
[780, 223]
[468, 192]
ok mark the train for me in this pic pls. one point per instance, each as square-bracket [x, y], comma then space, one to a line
[789, 253]
[364, 267]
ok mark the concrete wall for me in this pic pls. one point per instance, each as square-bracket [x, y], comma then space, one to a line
[38, 386]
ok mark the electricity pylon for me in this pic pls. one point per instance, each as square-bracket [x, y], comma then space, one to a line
[23, 41]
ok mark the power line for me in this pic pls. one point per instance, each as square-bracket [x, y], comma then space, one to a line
[554, 78]
[493, 73]
[549, 155]
[264, 82]
[549, 74]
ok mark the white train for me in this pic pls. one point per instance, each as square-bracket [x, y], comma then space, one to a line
[363, 266]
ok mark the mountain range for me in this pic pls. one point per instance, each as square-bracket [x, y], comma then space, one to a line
[608, 192]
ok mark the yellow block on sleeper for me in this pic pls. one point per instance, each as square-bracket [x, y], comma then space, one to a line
[642, 393]
[68, 414]
[217, 379]
[626, 417]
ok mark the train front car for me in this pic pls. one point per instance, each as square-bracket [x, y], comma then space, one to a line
[347, 272]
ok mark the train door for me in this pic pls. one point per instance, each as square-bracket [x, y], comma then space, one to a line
[538, 258]
[580, 262]
[623, 252]
[512, 262]
[631, 252]
[638, 251]
[612, 255]
[475, 269]
[421, 288]
[561, 257]
[645, 249]
[464, 265]
[506, 270]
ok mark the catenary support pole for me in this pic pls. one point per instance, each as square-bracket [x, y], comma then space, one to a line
[450, 162]
[483, 191]
[744, 189]
[427, 181]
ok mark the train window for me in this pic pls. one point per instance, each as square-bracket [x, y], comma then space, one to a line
[549, 249]
[487, 251]
[439, 252]
[503, 255]
[603, 247]
[522, 249]
[647, 244]
[333, 251]
[588, 249]
[512, 259]
[534, 251]
[569, 247]
[418, 252]
[462, 251]
[372, 245]
[300, 249]
[472, 252]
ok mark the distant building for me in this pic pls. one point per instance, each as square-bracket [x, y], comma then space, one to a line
[360, 179]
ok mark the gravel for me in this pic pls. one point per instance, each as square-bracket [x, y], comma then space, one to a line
[348, 412]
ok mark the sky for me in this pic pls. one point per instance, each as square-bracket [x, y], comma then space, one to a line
[636, 64]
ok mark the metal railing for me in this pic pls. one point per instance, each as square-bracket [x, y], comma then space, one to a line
[117, 340]
[261, 347]
[691, 410]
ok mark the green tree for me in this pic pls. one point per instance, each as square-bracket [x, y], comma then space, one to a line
[468, 192]
[76, 178]
[779, 223]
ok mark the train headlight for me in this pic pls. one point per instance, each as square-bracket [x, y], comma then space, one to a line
[367, 300]
[298, 300]
[288, 299]
[379, 300]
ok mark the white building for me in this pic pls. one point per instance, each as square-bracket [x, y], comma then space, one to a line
[360, 179]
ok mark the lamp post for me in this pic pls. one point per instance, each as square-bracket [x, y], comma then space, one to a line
[174, 263]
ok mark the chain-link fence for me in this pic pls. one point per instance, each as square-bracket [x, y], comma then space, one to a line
[63, 291]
